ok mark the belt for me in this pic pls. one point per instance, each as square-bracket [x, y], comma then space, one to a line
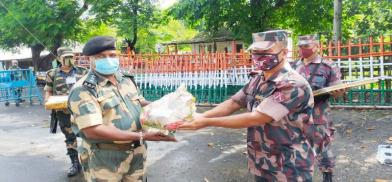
[118, 147]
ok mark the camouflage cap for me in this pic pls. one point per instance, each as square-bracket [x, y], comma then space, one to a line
[308, 39]
[266, 40]
[64, 51]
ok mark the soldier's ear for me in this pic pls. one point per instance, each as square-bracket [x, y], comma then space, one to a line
[92, 61]
[285, 51]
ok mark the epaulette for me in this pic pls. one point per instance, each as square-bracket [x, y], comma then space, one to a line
[130, 76]
[50, 71]
[328, 62]
[91, 83]
[254, 73]
[81, 68]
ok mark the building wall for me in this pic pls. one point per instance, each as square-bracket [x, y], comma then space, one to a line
[220, 47]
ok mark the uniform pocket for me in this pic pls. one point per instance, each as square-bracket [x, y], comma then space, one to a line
[84, 158]
[110, 159]
[134, 98]
[108, 101]
[319, 81]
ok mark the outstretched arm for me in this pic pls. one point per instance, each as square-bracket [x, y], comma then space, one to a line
[223, 109]
[102, 132]
[234, 121]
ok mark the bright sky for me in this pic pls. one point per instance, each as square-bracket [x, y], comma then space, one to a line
[166, 3]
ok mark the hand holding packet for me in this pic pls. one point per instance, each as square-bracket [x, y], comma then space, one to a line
[166, 114]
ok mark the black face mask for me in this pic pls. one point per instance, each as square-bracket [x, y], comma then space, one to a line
[266, 61]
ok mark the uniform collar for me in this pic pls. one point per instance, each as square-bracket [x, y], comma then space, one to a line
[280, 75]
[102, 81]
[316, 60]
[70, 71]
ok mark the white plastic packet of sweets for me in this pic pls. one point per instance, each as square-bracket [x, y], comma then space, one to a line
[173, 107]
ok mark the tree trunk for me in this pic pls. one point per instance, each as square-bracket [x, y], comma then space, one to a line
[36, 54]
[46, 62]
[337, 21]
[131, 43]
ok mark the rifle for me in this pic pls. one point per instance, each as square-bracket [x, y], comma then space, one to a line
[53, 122]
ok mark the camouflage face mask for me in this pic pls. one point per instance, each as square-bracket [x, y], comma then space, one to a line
[265, 61]
[306, 52]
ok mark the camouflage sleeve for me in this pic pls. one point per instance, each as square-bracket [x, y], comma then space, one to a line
[131, 86]
[49, 81]
[84, 70]
[240, 96]
[283, 101]
[335, 75]
[84, 108]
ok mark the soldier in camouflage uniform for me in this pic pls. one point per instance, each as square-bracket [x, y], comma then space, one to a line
[59, 81]
[105, 106]
[280, 103]
[320, 73]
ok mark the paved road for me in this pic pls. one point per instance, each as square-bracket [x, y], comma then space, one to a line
[29, 153]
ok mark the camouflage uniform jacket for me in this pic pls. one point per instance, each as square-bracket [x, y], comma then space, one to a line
[94, 100]
[326, 75]
[279, 147]
[63, 81]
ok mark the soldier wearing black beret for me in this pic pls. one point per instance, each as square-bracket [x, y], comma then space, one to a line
[106, 106]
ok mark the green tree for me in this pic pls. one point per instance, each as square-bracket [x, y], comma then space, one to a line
[364, 18]
[242, 17]
[172, 30]
[90, 29]
[127, 16]
[39, 24]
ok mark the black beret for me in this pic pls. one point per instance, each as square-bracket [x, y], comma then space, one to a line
[98, 44]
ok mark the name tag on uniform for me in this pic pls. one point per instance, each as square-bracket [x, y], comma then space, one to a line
[70, 80]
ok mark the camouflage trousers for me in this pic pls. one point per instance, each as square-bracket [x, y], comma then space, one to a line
[269, 177]
[285, 165]
[113, 166]
[70, 137]
[325, 158]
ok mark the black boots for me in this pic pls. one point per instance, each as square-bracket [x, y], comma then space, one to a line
[75, 168]
[327, 177]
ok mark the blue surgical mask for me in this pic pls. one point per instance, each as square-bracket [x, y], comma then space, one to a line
[107, 66]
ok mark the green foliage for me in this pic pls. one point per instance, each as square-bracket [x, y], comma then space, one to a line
[48, 21]
[127, 16]
[173, 30]
[54, 21]
[364, 18]
[91, 29]
[242, 17]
